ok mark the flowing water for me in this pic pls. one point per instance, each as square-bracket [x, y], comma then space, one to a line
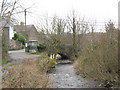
[64, 77]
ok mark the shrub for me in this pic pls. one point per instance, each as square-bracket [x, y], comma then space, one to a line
[46, 63]
[99, 58]
[16, 36]
[20, 38]
[41, 47]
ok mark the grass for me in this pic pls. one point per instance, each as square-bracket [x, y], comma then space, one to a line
[31, 74]
[27, 75]
[9, 66]
[39, 53]
[35, 53]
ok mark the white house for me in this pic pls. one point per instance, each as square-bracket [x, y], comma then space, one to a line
[10, 31]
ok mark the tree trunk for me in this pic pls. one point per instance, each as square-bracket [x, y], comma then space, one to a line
[5, 43]
[74, 37]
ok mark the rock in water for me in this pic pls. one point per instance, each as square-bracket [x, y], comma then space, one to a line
[67, 75]
[102, 84]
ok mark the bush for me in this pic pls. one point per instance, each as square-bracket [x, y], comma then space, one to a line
[99, 58]
[41, 47]
[46, 64]
[20, 38]
[16, 36]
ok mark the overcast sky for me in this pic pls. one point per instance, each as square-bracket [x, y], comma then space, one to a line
[96, 10]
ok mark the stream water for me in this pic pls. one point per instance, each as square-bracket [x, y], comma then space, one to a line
[64, 77]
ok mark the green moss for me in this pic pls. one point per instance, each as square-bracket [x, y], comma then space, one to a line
[9, 66]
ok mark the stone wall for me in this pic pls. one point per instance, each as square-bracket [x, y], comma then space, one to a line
[15, 45]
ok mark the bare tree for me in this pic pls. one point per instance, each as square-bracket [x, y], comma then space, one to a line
[59, 32]
[53, 31]
[73, 28]
[78, 27]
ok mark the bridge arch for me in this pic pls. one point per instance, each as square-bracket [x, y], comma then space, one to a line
[63, 56]
[59, 56]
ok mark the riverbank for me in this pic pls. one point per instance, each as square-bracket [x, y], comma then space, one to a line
[26, 71]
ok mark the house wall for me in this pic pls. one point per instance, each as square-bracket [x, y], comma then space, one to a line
[11, 32]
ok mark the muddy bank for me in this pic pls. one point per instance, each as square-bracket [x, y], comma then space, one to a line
[64, 77]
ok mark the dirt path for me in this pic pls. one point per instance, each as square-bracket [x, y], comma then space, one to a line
[65, 77]
[19, 56]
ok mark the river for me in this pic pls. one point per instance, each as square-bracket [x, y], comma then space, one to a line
[64, 77]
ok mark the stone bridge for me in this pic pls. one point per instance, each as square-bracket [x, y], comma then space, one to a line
[66, 51]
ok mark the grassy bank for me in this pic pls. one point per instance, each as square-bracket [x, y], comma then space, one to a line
[31, 74]
[99, 58]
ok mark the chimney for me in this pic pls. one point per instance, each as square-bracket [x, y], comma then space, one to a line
[22, 26]
[22, 23]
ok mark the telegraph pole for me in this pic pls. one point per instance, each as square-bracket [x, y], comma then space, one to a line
[25, 18]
